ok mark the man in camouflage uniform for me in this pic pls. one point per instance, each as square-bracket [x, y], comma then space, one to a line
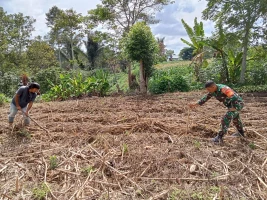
[231, 100]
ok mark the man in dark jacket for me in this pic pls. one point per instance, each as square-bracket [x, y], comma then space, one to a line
[23, 101]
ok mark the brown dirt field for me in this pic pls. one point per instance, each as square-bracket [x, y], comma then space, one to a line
[138, 148]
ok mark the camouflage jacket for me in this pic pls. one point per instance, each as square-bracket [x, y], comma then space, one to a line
[226, 95]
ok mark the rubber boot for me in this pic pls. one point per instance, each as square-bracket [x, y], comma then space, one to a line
[217, 140]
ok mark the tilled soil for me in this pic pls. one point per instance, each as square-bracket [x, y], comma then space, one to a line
[133, 147]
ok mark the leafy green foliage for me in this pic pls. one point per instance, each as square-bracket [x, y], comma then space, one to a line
[41, 56]
[169, 80]
[48, 77]
[212, 71]
[252, 145]
[53, 162]
[110, 13]
[218, 42]
[186, 53]
[87, 170]
[141, 46]
[66, 29]
[196, 35]
[15, 33]
[99, 83]
[243, 17]
[67, 87]
[74, 85]
[24, 133]
[9, 83]
[3, 99]
[250, 88]
[125, 148]
[92, 47]
[39, 193]
[234, 62]
[257, 73]
[140, 43]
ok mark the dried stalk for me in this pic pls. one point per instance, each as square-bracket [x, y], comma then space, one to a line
[255, 174]
[187, 121]
[107, 164]
[223, 177]
[45, 174]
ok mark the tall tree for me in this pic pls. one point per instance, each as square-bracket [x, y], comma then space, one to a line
[141, 46]
[121, 15]
[162, 46]
[3, 35]
[93, 49]
[241, 16]
[40, 55]
[66, 28]
[52, 15]
[196, 36]
[186, 53]
[169, 54]
[15, 33]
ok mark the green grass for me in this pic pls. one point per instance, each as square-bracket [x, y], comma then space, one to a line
[53, 162]
[121, 79]
[39, 193]
[169, 64]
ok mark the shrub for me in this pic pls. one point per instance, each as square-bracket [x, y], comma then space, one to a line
[46, 77]
[9, 83]
[3, 99]
[40, 192]
[67, 87]
[212, 71]
[99, 83]
[257, 74]
[169, 80]
[250, 88]
[75, 86]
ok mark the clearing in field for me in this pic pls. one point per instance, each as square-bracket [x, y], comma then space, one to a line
[133, 147]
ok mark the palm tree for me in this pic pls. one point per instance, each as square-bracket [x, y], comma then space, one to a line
[196, 35]
[161, 46]
[93, 48]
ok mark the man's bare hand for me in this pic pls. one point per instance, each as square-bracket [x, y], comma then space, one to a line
[18, 107]
[193, 105]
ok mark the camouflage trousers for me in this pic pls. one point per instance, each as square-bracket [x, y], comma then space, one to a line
[226, 120]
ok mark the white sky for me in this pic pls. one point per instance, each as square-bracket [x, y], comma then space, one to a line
[169, 27]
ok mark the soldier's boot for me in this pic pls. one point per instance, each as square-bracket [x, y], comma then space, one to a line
[218, 139]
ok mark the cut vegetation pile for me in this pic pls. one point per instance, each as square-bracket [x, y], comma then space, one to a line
[133, 148]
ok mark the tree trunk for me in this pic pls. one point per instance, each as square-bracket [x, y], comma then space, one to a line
[72, 53]
[225, 68]
[129, 75]
[60, 58]
[244, 59]
[143, 88]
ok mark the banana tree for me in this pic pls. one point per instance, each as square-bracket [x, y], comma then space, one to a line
[235, 62]
[218, 42]
[196, 36]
